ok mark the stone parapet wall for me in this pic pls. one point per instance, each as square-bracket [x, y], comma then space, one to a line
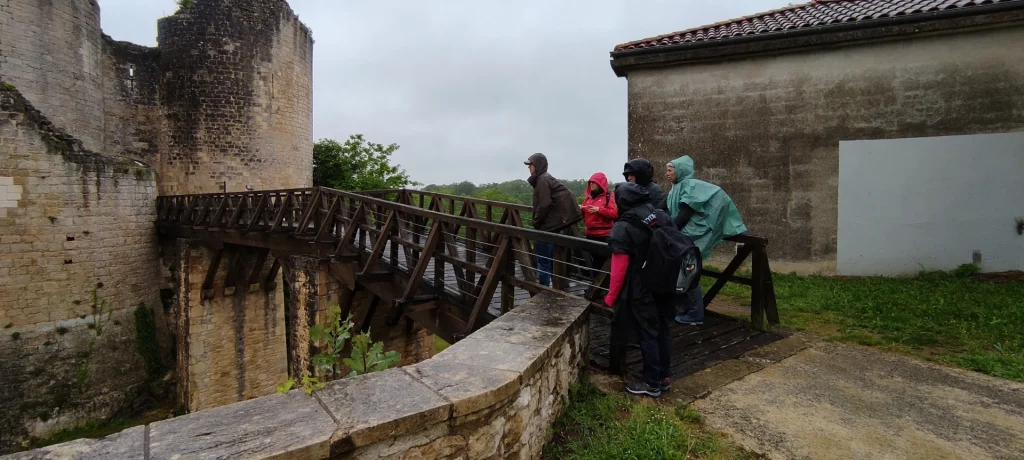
[494, 394]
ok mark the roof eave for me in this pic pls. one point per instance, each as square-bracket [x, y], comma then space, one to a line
[623, 61]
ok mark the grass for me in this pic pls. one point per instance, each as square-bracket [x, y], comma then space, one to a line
[440, 345]
[954, 317]
[96, 430]
[595, 425]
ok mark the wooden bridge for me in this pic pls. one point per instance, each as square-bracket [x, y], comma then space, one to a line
[449, 263]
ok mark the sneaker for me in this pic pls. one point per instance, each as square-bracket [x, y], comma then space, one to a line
[666, 385]
[642, 388]
[683, 319]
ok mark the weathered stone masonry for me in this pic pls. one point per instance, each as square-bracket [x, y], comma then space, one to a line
[492, 395]
[225, 102]
[83, 223]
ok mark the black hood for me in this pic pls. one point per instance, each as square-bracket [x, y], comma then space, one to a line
[629, 195]
[540, 163]
[641, 168]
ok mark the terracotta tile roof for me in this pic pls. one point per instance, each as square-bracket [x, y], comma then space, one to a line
[817, 13]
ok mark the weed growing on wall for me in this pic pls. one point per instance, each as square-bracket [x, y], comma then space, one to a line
[330, 338]
[100, 316]
[146, 342]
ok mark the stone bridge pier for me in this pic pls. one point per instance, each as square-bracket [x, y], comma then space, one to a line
[243, 315]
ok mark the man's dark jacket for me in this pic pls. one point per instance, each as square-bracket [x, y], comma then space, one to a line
[554, 206]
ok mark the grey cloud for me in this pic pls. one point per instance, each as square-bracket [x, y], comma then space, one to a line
[470, 88]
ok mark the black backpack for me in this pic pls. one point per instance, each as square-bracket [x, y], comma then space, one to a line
[669, 252]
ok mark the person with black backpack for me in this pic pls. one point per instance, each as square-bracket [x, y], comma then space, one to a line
[648, 253]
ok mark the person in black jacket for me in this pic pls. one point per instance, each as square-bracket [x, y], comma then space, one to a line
[641, 172]
[636, 307]
[554, 209]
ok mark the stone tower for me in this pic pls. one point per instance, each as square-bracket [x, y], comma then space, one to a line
[237, 95]
[92, 131]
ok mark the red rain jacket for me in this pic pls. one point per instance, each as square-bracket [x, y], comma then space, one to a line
[599, 224]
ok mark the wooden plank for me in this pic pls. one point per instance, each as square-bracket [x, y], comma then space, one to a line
[257, 214]
[215, 220]
[307, 214]
[490, 283]
[211, 272]
[416, 277]
[257, 269]
[271, 279]
[325, 224]
[378, 246]
[350, 229]
[728, 272]
[345, 301]
[371, 309]
[279, 218]
[237, 258]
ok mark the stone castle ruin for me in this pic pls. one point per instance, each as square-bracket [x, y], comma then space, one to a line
[92, 306]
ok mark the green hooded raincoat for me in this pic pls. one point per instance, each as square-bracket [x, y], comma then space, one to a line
[715, 216]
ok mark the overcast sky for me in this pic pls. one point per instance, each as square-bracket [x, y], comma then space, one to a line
[468, 88]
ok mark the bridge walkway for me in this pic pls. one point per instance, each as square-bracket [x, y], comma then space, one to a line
[449, 263]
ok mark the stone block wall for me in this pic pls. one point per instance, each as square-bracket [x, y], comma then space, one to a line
[237, 94]
[767, 128]
[132, 116]
[313, 290]
[231, 342]
[492, 395]
[73, 223]
[53, 52]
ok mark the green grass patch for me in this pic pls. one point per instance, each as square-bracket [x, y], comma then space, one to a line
[595, 425]
[955, 317]
[440, 345]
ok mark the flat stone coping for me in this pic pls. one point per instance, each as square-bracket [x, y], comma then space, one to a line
[485, 368]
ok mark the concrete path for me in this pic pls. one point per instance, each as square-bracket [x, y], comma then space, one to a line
[837, 401]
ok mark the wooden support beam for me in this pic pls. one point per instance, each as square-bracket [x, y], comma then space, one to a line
[211, 275]
[236, 214]
[421, 265]
[186, 217]
[237, 258]
[325, 224]
[350, 229]
[345, 301]
[382, 240]
[257, 214]
[490, 284]
[257, 269]
[730, 269]
[371, 309]
[307, 214]
[270, 283]
[378, 276]
[279, 218]
[215, 219]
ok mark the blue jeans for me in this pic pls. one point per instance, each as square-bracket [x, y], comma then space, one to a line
[545, 254]
[690, 305]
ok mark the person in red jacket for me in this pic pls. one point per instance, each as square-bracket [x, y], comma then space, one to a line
[599, 213]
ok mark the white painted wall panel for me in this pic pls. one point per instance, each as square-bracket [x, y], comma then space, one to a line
[907, 205]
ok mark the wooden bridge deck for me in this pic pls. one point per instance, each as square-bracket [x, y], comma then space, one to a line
[449, 263]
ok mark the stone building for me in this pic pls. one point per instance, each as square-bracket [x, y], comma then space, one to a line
[91, 131]
[763, 102]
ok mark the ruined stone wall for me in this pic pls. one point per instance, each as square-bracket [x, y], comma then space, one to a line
[494, 394]
[232, 340]
[237, 94]
[767, 129]
[53, 52]
[132, 117]
[72, 223]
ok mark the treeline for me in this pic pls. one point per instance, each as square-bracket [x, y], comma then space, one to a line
[513, 191]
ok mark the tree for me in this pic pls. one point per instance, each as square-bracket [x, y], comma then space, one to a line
[356, 165]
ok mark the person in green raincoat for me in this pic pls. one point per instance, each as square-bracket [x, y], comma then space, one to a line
[705, 213]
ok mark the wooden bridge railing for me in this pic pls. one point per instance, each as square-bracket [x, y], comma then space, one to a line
[474, 249]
